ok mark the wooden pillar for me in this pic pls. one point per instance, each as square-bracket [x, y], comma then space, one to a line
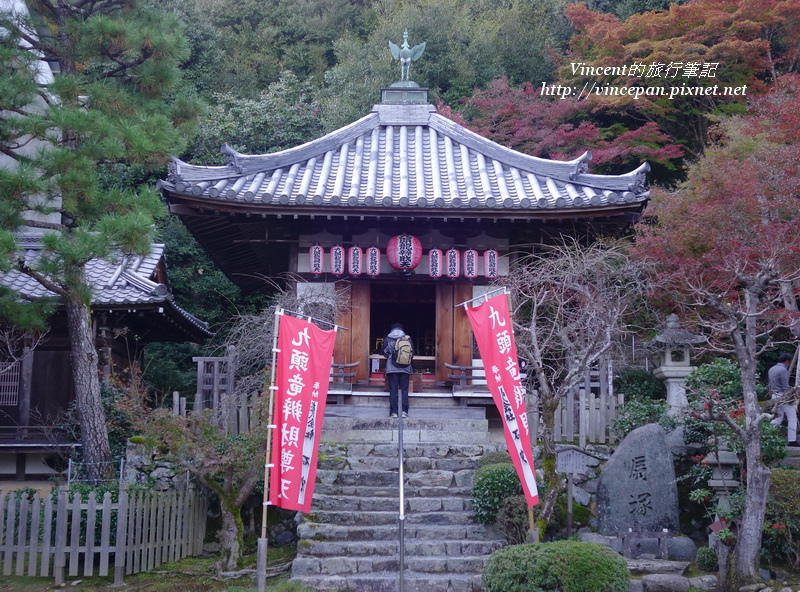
[453, 333]
[462, 333]
[444, 329]
[25, 388]
[359, 327]
[342, 353]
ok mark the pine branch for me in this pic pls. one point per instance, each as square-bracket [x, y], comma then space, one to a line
[48, 284]
[145, 55]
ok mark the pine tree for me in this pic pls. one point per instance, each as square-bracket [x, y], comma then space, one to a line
[65, 138]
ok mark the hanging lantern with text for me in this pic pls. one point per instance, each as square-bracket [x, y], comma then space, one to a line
[490, 263]
[471, 263]
[373, 261]
[404, 252]
[316, 259]
[452, 263]
[355, 258]
[337, 260]
[435, 263]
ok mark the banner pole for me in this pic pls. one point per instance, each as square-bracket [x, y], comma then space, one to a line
[261, 559]
[533, 532]
[402, 553]
[487, 296]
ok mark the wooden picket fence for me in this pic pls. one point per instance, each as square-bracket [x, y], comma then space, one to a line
[72, 536]
[588, 414]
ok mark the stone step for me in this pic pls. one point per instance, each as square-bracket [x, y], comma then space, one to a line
[356, 518]
[349, 566]
[377, 409]
[414, 548]
[418, 479]
[420, 532]
[337, 453]
[349, 503]
[424, 430]
[412, 464]
[389, 582]
[390, 491]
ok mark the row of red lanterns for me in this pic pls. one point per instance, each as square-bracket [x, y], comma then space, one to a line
[404, 253]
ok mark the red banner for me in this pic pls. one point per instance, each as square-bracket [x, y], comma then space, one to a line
[491, 324]
[303, 373]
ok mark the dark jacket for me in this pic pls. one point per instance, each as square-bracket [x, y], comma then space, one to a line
[388, 350]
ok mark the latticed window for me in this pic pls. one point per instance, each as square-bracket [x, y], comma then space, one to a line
[9, 384]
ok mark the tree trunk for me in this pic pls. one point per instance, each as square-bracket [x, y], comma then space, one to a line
[91, 415]
[231, 535]
[746, 554]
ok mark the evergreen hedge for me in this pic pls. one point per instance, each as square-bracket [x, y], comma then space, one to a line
[561, 566]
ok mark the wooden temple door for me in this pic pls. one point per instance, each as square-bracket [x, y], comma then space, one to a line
[453, 337]
[453, 334]
[353, 345]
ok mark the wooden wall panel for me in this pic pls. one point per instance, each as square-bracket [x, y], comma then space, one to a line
[359, 327]
[462, 333]
[444, 329]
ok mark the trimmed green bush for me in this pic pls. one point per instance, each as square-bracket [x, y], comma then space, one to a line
[562, 566]
[493, 484]
[512, 519]
[707, 559]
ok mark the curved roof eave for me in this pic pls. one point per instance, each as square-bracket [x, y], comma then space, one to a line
[405, 156]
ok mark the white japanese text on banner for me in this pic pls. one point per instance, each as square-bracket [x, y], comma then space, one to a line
[303, 373]
[491, 324]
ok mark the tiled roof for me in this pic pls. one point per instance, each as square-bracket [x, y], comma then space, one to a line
[123, 282]
[402, 156]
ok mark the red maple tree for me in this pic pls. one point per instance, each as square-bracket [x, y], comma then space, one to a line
[695, 59]
[726, 247]
[562, 129]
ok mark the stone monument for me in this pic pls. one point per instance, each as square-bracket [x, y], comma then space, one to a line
[637, 491]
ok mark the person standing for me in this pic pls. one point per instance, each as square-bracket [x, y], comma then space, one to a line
[398, 349]
[778, 385]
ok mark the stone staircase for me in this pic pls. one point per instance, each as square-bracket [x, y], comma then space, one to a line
[350, 540]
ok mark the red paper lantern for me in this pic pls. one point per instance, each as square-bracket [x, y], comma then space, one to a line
[404, 252]
[435, 263]
[373, 261]
[355, 260]
[316, 259]
[337, 260]
[452, 263]
[471, 263]
[491, 261]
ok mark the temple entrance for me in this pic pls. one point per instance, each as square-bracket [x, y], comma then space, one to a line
[413, 305]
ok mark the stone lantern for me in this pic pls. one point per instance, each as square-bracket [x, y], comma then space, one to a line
[723, 482]
[674, 345]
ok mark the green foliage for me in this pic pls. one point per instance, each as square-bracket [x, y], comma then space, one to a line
[640, 385]
[494, 458]
[468, 44]
[636, 413]
[281, 117]
[512, 519]
[718, 383]
[721, 378]
[781, 537]
[707, 559]
[493, 484]
[563, 566]
[119, 426]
